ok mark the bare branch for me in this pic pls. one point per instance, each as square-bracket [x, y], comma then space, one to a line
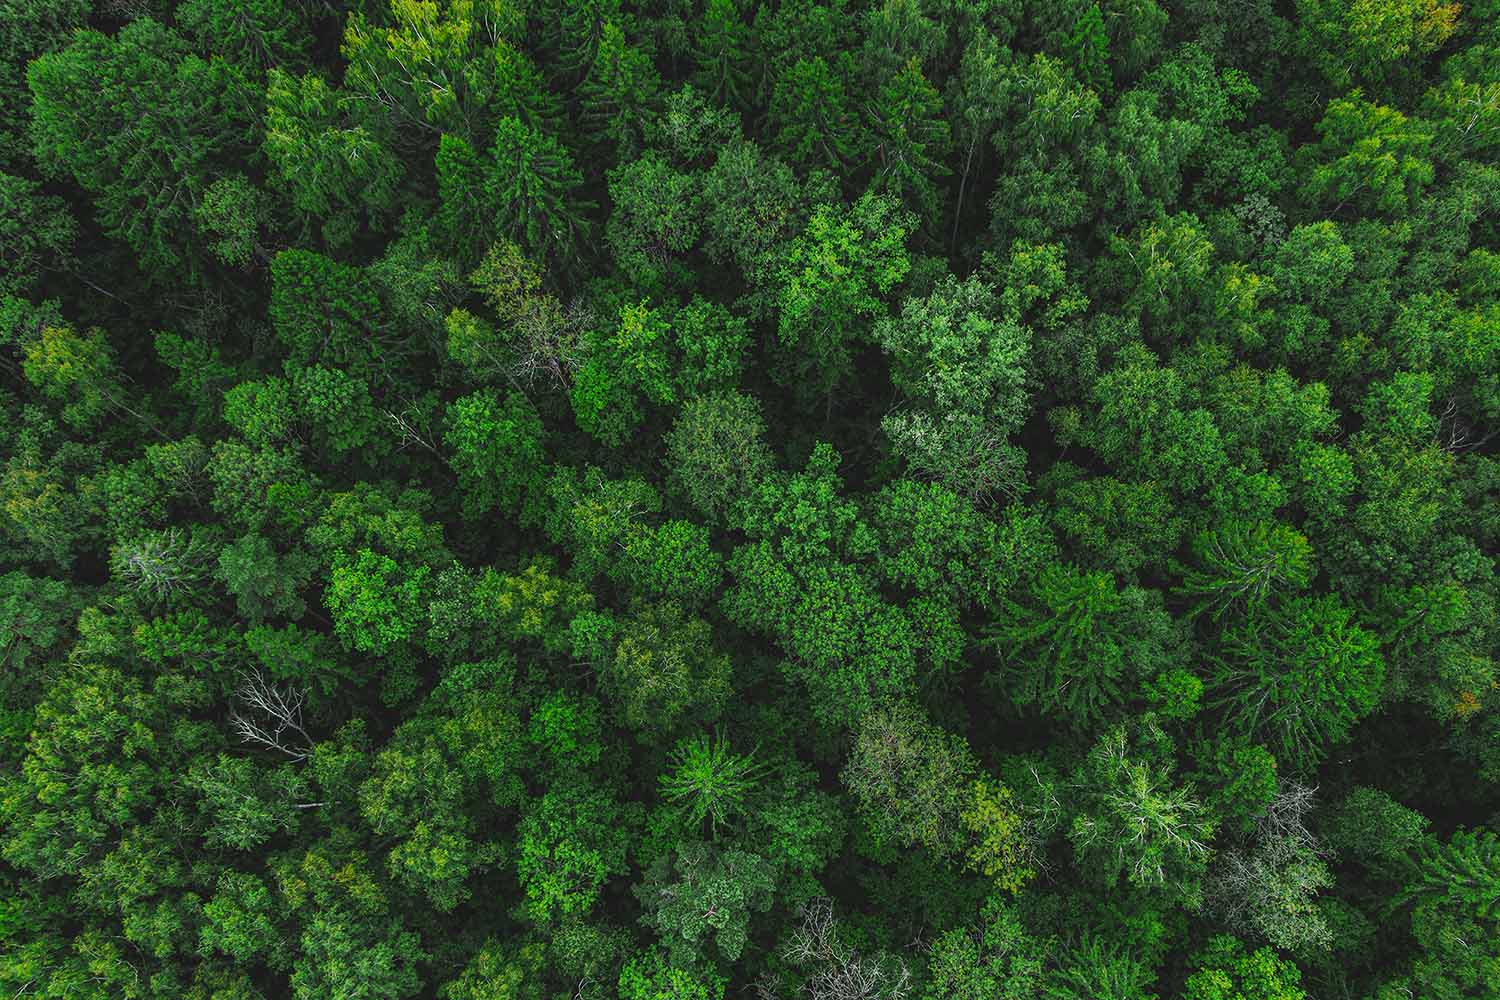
[271, 718]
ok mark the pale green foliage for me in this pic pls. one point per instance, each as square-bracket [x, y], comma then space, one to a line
[1226, 970]
[963, 370]
[911, 780]
[1137, 822]
[430, 65]
[1270, 886]
[1370, 155]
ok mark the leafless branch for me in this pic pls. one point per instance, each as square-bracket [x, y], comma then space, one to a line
[270, 717]
[839, 972]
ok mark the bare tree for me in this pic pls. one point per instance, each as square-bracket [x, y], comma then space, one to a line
[839, 972]
[409, 430]
[270, 717]
[549, 341]
[1457, 433]
[1270, 886]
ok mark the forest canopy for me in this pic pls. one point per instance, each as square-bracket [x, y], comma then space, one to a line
[717, 499]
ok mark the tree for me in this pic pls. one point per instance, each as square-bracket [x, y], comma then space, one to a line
[975, 100]
[993, 957]
[595, 517]
[1454, 893]
[326, 312]
[1087, 49]
[911, 138]
[1226, 969]
[810, 112]
[944, 556]
[1244, 565]
[268, 716]
[259, 34]
[497, 970]
[830, 968]
[26, 31]
[712, 343]
[752, 204]
[1369, 155]
[1116, 526]
[916, 785]
[1077, 644]
[91, 804]
[430, 67]
[716, 453]
[232, 213]
[801, 578]
[1095, 968]
[433, 788]
[654, 221]
[1169, 266]
[795, 825]
[1459, 873]
[619, 94]
[144, 126]
[1374, 828]
[1136, 170]
[832, 273]
[1134, 821]
[1360, 41]
[350, 943]
[543, 339]
[520, 192]
[910, 780]
[1136, 29]
[37, 233]
[336, 408]
[963, 370]
[497, 452]
[722, 53]
[651, 976]
[1464, 112]
[36, 614]
[1048, 118]
[240, 921]
[631, 362]
[334, 167]
[707, 890]
[898, 34]
[1300, 676]
[245, 805]
[265, 584]
[692, 130]
[569, 843]
[1270, 887]
[708, 781]
[1143, 425]
[660, 667]
[375, 601]
[1000, 847]
[80, 371]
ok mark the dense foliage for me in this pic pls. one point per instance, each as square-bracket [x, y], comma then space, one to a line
[681, 499]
